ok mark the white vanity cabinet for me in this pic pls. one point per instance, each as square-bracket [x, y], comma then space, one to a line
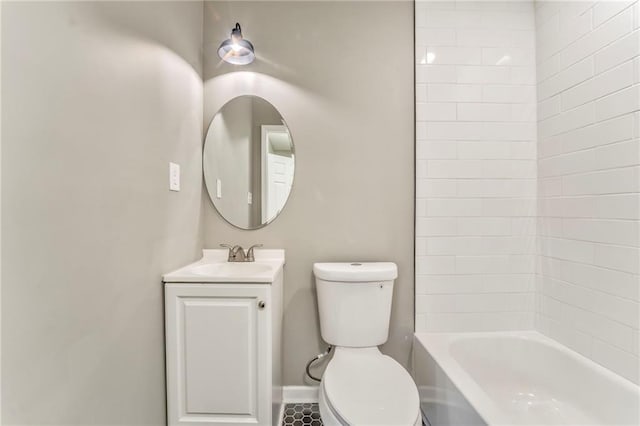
[223, 351]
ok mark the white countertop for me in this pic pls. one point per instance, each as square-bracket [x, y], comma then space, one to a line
[214, 268]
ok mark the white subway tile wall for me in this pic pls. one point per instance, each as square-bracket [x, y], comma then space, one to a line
[476, 165]
[528, 172]
[588, 287]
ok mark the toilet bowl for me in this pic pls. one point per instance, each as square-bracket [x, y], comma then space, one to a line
[361, 386]
[365, 387]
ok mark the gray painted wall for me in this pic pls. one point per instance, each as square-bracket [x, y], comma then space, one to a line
[97, 99]
[338, 72]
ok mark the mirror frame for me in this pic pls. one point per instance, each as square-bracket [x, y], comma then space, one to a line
[293, 151]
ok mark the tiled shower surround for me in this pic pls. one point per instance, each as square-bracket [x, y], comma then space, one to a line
[530, 219]
[476, 166]
[588, 286]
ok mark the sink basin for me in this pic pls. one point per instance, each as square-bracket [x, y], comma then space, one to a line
[231, 269]
[214, 268]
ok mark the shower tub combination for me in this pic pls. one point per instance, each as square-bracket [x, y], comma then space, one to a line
[516, 378]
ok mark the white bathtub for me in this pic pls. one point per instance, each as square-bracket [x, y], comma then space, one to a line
[516, 378]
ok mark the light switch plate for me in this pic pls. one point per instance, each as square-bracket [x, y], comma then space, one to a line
[174, 177]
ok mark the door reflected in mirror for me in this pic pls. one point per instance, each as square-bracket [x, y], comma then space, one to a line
[248, 162]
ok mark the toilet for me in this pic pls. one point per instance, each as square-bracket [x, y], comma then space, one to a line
[361, 386]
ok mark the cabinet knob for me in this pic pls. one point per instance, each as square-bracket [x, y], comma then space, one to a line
[261, 304]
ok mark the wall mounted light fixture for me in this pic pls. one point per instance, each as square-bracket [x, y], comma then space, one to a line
[236, 50]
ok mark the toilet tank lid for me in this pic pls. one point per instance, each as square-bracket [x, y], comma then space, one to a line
[356, 271]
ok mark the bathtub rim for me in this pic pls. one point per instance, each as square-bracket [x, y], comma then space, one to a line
[438, 345]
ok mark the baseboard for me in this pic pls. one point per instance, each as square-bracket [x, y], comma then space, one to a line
[281, 414]
[300, 394]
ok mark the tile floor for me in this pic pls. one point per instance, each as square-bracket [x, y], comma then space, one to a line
[301, 414]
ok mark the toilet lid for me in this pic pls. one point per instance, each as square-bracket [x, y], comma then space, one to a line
[371, 389]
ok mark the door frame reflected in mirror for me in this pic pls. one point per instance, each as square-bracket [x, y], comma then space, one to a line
[269, 172]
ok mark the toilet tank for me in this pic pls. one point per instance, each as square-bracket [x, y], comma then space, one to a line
[354, 302]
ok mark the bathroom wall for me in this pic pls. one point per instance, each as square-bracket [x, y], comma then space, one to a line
[338, 73]
[97, 98]
[475, 165]
[589, 179]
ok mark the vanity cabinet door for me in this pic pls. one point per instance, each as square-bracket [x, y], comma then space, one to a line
[218, 368]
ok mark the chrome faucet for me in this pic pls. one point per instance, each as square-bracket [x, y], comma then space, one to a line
[237, 253]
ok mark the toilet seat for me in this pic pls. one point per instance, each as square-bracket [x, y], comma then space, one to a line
[364, 387]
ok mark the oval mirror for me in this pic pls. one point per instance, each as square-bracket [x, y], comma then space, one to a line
[248, 162]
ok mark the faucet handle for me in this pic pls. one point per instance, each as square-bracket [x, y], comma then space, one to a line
[233, 252]
[250, 257]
